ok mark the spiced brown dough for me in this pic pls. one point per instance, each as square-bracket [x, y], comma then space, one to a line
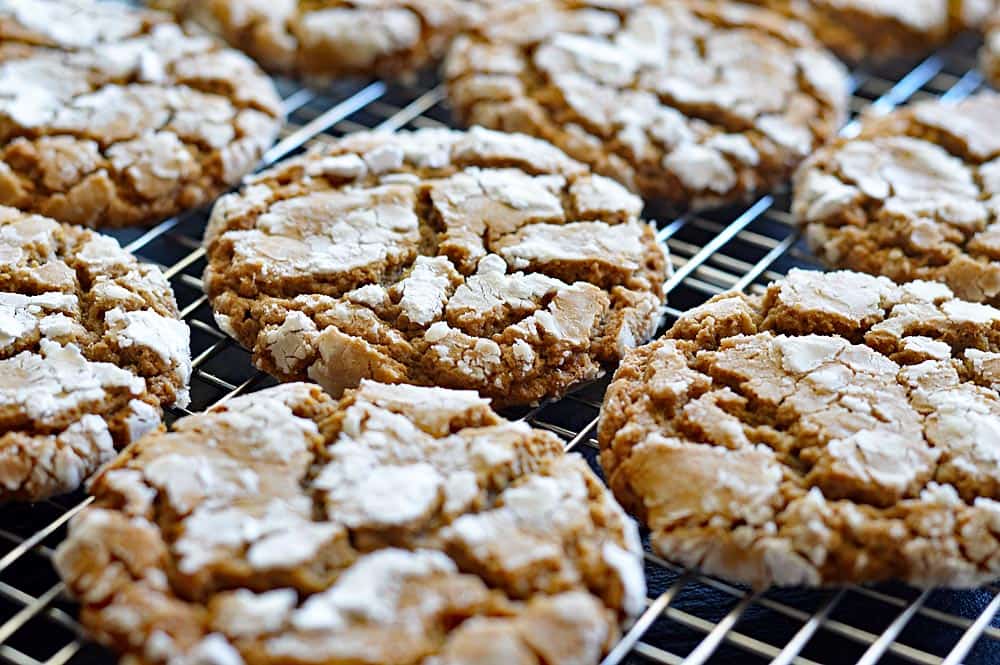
[880, 30]
[989, 55]
[916, 195]
[691, 103]
[91, 349]
[838, 429]
[114, 116]
[461, 259]
[328, 39]
[400, 525]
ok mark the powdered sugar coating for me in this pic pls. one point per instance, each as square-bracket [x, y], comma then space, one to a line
[285, 525]
[336, 38]
[694, 103]
[111, 115]
[462, 259]
[75, 383]
[882, 30]
[914, 196]
[839, 428]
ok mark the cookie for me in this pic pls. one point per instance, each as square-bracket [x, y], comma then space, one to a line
[401, 525]
[839, 428]
[989, 55]
[690, 103]
[113, 116]
[459, 259]
[329, 40]
[880, 30]
[916, 195]
[90, 349]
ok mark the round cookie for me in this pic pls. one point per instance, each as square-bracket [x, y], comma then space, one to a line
[114, 116]
[459, 259]
[691, 103]
[881, 30]
[916, 195]
[90, 349]
[333, 39]
[401, 525]
[840, 428]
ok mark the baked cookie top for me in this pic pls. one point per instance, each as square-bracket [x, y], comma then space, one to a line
[328, 39]
[989, 55]
[916, 195]
[460, 259]
[883, 29]
[90, 349]
[111, 116]
[400, 525]
[840, 428]
[691, 103]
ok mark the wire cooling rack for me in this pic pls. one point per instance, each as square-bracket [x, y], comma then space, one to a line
[690, 618]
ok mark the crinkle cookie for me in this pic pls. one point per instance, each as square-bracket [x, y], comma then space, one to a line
[915, 196]
[840, 428]
[327, 39]
[401, 525]
[112, 116]
[883, 29]
[460, 259]
[989, 56]
[691, 103]
[90, 349]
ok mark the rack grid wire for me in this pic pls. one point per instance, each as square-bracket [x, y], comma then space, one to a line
[690, 618]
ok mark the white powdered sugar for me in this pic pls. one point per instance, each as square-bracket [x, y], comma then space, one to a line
[370, 589]
[60, 379]
[166, 337]
[247, 613]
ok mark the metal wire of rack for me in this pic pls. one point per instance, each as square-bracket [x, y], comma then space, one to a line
[690, 618]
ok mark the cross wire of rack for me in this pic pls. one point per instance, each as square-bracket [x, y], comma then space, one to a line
[690, 618]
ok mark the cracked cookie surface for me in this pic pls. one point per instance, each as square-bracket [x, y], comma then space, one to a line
[460, 259]
[114, 116]
[691, 103]
[401, 525]
[882, 30]
[329, 39]
[839, 428]
[91, 348]
[916, 195]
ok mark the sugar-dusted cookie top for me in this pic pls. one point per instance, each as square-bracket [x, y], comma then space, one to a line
[329, 39]
[840, 428]
[916, 195]
[461, 259]
[880, 30]
[400, 525]
[113, 116]
[691, 103]
[91, 348]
